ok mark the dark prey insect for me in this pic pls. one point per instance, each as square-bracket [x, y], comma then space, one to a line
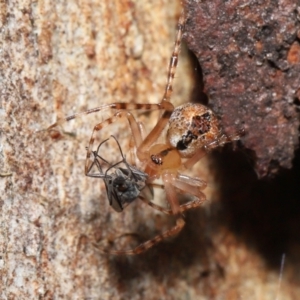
[123, 185]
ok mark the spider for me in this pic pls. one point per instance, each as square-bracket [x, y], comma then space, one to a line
[192, 131]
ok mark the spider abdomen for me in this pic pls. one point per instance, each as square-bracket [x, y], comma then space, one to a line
[191, 127]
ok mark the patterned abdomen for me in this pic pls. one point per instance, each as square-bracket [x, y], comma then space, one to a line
[191, 127]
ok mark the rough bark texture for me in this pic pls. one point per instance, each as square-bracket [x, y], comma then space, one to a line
[249, 53]
[63, 57]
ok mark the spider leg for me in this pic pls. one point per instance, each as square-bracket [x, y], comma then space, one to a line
[219, 142]
[132, 146]
[117, 106]
[190, 185]
[123, 106]
[168, 108]
[174, 58]
[186, 184]
[165, 103]
[183, 207]
[193, 181]
[132, 157]
[142, 129]
[224, 139]
[155, 206]
[148, 244]
[194, 159]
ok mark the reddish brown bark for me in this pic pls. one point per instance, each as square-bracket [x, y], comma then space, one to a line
[249, 55]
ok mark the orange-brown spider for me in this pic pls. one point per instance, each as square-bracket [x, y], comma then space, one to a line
[193, 130]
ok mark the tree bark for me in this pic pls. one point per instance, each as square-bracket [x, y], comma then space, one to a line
[58, 58]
